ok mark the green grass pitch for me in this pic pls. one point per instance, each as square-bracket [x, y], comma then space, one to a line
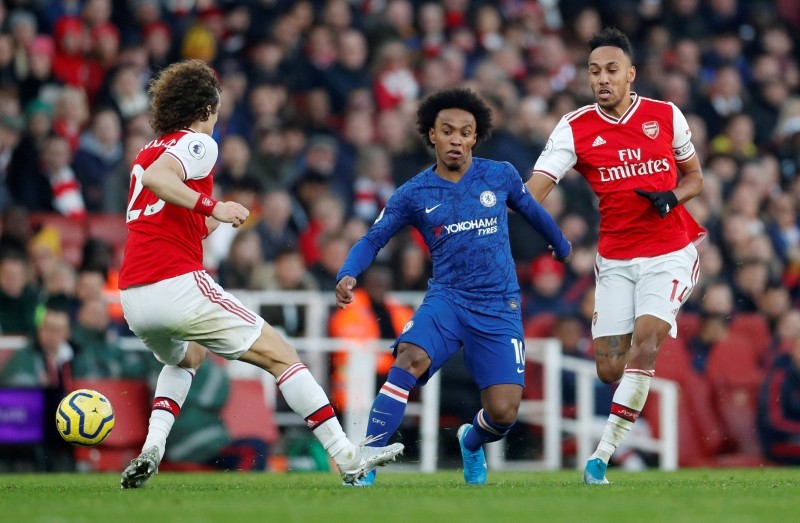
[723, 495]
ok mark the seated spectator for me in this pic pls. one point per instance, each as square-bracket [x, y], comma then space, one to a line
[99, 153]
[333, 249]
[275, 228]
[288, 273]
[244, 268]
[97, 354]
[779, 408]
[18, 296]
[326, 215]
[545, 292]
[412, 268]
[715, 314]
[46, 361]
[44, 252]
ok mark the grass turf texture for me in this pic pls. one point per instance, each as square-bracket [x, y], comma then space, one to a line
[723, 495]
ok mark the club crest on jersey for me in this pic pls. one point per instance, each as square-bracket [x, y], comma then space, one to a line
[650, 129]
[488, 199]
[547, 148]
[407, 326]
[197, 149]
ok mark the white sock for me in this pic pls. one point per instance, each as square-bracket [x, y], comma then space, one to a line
[626, 404]
[306, 397]
[171, 391]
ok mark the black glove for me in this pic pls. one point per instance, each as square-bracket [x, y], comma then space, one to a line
[662, 201]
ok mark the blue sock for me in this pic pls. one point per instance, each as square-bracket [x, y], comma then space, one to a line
[484, 431]
[390, 406]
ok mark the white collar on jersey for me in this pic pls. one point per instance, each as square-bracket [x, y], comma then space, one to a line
[625, 116]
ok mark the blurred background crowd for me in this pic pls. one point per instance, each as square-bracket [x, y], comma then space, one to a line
[316, 131]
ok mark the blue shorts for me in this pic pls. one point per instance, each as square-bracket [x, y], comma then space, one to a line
[494, 349]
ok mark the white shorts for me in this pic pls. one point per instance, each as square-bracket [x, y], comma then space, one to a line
[627, 289]
[191, 307]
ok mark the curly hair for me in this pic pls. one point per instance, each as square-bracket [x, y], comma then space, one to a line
[182, 93]
[612, 37]
[455, 98]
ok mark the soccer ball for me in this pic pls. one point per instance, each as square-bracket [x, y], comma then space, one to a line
[84, 417]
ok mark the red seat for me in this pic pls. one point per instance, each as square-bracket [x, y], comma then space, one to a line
[246, 413]
[688, 325]
[131, 400]
[754, 328]
[540, 325]
[111, 229]
[700, 433]
[736, 377]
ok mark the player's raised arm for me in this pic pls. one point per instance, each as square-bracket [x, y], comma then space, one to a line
[521, 202]
[391, 219]
[165, 179]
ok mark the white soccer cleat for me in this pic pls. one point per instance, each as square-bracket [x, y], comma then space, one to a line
[141, 468]
[367, 458]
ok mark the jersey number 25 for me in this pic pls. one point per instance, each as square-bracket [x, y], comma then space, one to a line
[148, 210]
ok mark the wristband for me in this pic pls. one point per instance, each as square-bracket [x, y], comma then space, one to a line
[204, 205]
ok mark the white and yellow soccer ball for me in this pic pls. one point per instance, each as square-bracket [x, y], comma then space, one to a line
[84, 417]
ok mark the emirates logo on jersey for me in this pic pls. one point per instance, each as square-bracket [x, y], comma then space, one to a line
[650, 129]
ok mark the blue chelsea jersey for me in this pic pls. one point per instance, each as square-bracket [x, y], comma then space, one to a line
[465, 225]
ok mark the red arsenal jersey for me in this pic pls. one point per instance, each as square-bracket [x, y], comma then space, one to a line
[165, 240]
[616, 156]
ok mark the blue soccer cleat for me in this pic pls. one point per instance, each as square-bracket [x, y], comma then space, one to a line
[595, 472]
[474, 461]
[366, 481]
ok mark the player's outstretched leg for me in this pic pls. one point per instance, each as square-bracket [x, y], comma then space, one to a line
[474, 460]
[172, 388]
[367, 458]
[387, 413]
[306, 397]
[626, 404]
[141, 468]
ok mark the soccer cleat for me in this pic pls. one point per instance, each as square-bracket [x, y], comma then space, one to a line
[367, 458]
[366, 481]
[141, 468]
[595, 472]
[474, 461]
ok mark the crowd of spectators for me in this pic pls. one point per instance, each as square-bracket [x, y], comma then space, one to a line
[316, 130]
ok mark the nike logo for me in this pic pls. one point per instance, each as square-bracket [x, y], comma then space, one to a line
[520, 371]
[428, 210]
[376, 411]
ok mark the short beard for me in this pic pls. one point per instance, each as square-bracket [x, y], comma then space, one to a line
[453, 166]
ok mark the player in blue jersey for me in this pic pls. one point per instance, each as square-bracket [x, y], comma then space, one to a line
[459, 205]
